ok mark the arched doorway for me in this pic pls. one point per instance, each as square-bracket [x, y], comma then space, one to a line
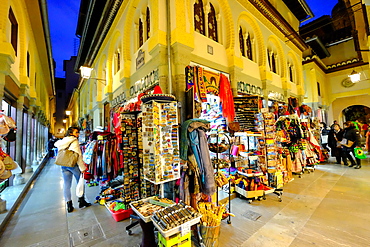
[360, 114]
[357, 112]
[338, 106]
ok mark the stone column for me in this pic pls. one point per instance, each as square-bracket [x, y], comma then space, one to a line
[19, 141]
[35, 138]
[39, 138]
[29, 149]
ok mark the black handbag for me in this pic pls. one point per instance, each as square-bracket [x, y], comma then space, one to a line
[66, 157]
[11, 136]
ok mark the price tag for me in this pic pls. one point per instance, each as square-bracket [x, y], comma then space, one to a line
[264, 110]
[185, 228]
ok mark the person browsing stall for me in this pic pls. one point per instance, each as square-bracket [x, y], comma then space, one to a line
[71, 140]
[351, 139]
[335, 137]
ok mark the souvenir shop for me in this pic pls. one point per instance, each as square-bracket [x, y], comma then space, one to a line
[8, 167]
[171, 176]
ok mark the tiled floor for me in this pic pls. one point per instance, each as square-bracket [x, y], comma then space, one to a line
[329, 207]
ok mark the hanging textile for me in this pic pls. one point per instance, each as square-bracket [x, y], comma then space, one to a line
[201, 85]
[227, 99]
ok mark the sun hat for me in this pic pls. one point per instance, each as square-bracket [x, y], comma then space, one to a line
[6, 174]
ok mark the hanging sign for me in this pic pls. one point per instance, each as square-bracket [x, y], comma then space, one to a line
[145, 83]
[249, 88]
[276, 96]
[140, 60]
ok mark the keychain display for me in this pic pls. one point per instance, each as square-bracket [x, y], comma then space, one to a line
[132, 146]
[160, 142]
[245, 109]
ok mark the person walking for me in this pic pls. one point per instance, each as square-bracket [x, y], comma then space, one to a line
[335, 137]
[351, 139]
[324, 136]
[71, 140]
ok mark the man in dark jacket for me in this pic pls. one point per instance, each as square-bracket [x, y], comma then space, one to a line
[351, 139]
[335, 137]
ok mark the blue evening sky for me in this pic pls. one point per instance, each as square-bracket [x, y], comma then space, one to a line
[63, 16]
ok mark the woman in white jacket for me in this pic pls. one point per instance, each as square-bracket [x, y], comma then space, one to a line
[71, 140]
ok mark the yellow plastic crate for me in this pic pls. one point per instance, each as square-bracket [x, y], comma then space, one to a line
[176, 240]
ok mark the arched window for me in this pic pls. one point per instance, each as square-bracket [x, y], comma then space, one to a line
[147, 23]
[199, 17]
[248, 42]
[291, 77]
[241, 41]
[272, 61]
[117, 61]
[212, 23]
[141, 40]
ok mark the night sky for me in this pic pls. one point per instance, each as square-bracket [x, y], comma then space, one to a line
[63, 17]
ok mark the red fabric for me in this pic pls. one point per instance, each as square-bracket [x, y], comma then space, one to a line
[227, 99]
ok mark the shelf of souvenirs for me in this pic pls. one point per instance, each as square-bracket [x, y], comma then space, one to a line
[248, 133]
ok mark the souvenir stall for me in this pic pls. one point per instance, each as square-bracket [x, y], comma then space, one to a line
[161, 164]
[210, 112]
[297, 144]
[259, 170]
[8, 166]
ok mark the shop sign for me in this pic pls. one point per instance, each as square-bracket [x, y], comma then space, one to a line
[145, 83]
[276, 96]
[249, 89]
[140, 60]
[119, 99]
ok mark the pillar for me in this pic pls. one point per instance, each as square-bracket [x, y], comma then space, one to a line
[29, 141]
[35, 135]
[19, 141]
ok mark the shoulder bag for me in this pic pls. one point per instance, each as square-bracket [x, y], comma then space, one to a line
[66, 157]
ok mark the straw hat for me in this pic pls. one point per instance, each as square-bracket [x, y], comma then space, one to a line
[6, 174]
[4, 129]
[9, 163]
[2, 167]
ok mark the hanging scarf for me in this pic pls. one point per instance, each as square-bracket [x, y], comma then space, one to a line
[226, 98]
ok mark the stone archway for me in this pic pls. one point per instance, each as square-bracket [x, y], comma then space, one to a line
[357, 112]
[340, 104]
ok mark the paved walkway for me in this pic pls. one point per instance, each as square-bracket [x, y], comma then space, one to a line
[329, 207]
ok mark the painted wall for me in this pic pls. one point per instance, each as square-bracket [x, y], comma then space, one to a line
[189, 46]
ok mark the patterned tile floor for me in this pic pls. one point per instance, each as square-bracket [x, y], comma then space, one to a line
[329, 207]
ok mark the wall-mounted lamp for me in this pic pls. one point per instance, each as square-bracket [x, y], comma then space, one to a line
[64, 120]
[68, 113]
[85, 73]
[355, 76]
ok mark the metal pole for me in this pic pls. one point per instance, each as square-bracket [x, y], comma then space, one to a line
[169, 60]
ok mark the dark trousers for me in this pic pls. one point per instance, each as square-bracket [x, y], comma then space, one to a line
[337, 153]
[347, 155]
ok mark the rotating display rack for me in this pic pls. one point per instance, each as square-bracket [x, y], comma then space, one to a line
[161, 158]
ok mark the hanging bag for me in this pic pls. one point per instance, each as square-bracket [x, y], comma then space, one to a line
[80, 186]
[66, 157]
[359, 153]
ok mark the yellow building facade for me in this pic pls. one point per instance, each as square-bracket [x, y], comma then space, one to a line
[141, 43]
[26, 77]
[338, 52]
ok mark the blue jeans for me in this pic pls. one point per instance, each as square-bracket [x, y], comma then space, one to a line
[68, 172]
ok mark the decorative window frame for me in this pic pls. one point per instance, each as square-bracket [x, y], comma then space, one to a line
[141, 17]
[14, 30]
[273, 60]
[206, 11]
[247, 31]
